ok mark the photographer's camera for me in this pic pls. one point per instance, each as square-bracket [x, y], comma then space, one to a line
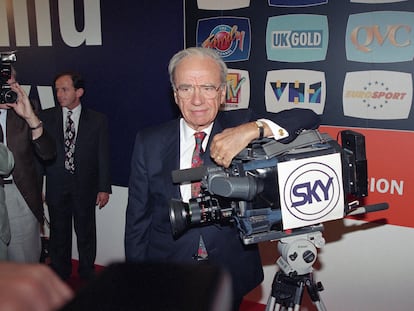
[7, 95]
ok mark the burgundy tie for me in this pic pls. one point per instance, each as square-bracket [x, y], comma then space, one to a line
[195, 187]
[197, 161]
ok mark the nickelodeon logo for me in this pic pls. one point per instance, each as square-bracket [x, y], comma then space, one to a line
[377, 95]
[297, 38]
[380, 37]
[292, 88]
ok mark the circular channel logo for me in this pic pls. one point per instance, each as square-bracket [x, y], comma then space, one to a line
[311, 191]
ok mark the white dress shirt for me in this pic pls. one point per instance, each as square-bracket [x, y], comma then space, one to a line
[75, 117]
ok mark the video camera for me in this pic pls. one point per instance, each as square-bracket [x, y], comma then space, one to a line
[6, 94]
[272, 189]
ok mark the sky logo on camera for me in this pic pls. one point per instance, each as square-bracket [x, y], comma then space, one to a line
[311, 190]
[230, 37]
[297, 38]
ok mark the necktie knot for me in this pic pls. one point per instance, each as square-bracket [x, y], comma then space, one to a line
[199, 137]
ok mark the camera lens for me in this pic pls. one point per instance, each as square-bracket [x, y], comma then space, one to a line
[7, 96]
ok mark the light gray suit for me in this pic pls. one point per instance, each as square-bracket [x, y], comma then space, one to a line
[6, 165]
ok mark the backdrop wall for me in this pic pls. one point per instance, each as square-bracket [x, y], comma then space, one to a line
[352, 62]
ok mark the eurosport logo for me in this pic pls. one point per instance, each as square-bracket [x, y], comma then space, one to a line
[380, 37]
[296, 3]
[222, 5]
[238, 90]
[229, 36]
[311, 190]
[377, 95]
[295, 88]
[297, 38]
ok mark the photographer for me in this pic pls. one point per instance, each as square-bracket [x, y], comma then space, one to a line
[25, 137]
[198, 78]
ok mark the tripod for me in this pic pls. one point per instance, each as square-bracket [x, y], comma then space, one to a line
[298, 254]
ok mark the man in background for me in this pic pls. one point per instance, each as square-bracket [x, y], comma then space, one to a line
[24, 135]
[78, 179]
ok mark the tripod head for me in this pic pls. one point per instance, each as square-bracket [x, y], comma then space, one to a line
[299, 253]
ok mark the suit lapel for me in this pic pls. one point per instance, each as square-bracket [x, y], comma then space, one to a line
[59, 125]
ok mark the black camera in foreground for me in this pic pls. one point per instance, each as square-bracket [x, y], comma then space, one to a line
[7, 95]
[272, 189]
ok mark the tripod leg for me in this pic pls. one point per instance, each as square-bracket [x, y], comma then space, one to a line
[270, 303]
[313, 290]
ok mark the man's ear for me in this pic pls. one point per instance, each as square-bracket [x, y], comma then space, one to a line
[176, 98]
[80, 92]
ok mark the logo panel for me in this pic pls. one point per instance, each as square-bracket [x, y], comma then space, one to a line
[311, 190]
[238, 90]
[377, 95]
[295, 88]
[296, 3]
[229, 36]
[376, 1]
[380, 37]
[222, 5]
[297, 38]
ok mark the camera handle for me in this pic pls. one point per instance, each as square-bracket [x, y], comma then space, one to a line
[298, 254]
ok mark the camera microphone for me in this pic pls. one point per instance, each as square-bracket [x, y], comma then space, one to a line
[187, 175]
[368, 209]
[194, 174]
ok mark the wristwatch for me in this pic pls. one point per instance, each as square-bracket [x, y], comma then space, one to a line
[260, 127]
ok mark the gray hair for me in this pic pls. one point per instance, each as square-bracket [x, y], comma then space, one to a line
[197, 51]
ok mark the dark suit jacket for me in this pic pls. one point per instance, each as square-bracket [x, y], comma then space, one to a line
[91, 156]
[148, 235]
[25, 150]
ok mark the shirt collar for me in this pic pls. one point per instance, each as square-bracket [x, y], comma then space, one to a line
[188, 132]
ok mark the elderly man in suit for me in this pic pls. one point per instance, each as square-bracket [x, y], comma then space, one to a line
[78, 179]
[27, 140]
[6, 165]
[198, 78]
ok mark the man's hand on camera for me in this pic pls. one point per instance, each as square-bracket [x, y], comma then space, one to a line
[227, 144]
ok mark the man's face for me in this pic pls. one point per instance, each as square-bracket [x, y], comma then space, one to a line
[66, 94]
[198, 111]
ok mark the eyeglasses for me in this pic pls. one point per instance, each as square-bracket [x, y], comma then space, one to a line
[186, 91]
